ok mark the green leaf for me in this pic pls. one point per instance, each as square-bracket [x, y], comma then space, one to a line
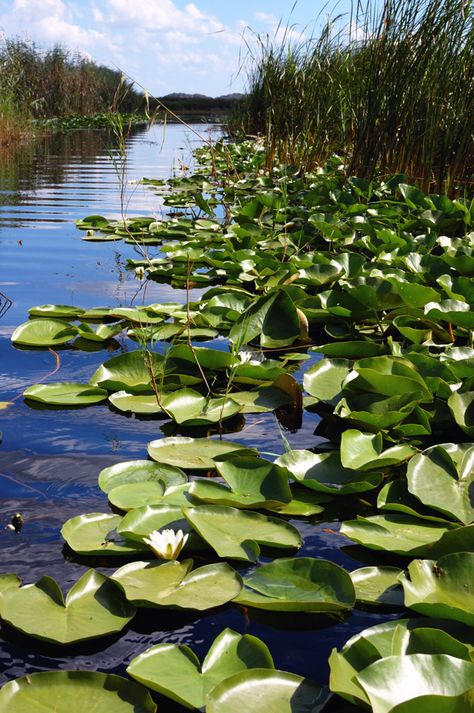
[173, 584]
[442, 477]
[253, 482]
[65, 393]
[364, 451]
[175, 671]
[139, 471]
[193, 453]
[130, 372]
[93, 607]
[190, 408]
[299, 584]
[44, 333]
[325, 380]
[444, 588]
[261, 690]
[57, 311]
[434, 683]
[462, 408]
[86, 691]
[138, 523]
[378, 586]
[95, 534]
[324, 472]
[136, 403]
[236, 534]
[272, 319]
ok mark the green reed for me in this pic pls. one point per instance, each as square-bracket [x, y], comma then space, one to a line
[390, 87]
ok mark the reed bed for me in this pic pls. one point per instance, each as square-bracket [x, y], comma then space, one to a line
[389, 87]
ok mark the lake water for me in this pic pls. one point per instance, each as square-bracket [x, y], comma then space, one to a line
[50, 459]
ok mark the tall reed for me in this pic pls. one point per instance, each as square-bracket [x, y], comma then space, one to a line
[391, 87]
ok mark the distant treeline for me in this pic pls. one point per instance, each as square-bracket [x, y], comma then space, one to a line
[49, 83]
[201, 104]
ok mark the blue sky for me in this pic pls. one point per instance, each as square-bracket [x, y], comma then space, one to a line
[166, 45]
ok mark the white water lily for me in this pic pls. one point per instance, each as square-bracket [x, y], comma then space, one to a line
[166, 544]
[251, 357]
[140, 272]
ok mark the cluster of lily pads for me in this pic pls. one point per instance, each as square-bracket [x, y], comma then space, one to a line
[371, 282]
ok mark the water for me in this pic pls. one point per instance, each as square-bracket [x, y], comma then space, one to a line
[50, 459]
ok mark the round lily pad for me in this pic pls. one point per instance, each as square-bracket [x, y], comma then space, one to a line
[193, 453]
[81, 691]
[44, 333]
[65, 393]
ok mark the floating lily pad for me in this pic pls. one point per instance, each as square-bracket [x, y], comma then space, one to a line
[237, 534]
[252, 482]
[378, 586]
[325, 472]
[442, 477]
[260, 690]
[129, 372]
[86, 691]
[443, 588]
[136, 403]
[263, 400]
[57, 311]
[364, 451]
[190, 408]
[138, 523]
[94, 606]
[65, 393]
[299, 584]
[44, 333]
[101, 334]
[173, 584]
[95, 534]
[422, 682]
[193, 453]
[138, 471]
[176, 672]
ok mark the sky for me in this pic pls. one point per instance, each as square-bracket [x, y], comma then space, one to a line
[164, 45]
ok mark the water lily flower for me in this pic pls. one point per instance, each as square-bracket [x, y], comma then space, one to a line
[166, 544]
[140, 272]
[251, 357]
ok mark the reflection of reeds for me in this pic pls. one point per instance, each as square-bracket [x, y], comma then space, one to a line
[390, 87]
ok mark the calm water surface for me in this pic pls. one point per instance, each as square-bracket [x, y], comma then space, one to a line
[50, 459]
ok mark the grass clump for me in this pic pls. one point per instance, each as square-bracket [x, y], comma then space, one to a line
[390, 87]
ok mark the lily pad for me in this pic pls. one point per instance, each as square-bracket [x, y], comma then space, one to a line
[94, 606]
[65, 393]
[260, 690]
[443, 588]
[173, 584]
[378, 586]
[136, 403]
[324, 472]
[190, 408]
[193, 453]
[432, 683]
[138, 523]
[101, 333]
[95, 534]
[129, 372]
[442, 477]
[364, 451]
[56, 311]
[237, 534]
[139, 471]
[252, 482]
[299, 584]
[176, 672]
[87, 691]
[44, 333]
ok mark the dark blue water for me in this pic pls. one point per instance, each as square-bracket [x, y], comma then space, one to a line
[50, 459]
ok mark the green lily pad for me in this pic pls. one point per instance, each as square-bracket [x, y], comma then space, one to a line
[299, 584]
[237, 533]
[44, 333]
[261, 690]
[87, 691]
[129, 372]
[462, 408]
[364, 451]
[252, 482]
[190, 408]
[263, 400]
[138, 523]
[95, 534]
[65, 393]
[57, 311]
[443, 588]
[139, 471]
[101, 334]
[436, 682]
[136, 403]
[324, 472]
[442, 477]
[193, 453]
[325, 379]
[304, 502]
[94, 606]
[378, 586]
[173, 584]
[272, 319]
[176, 672]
